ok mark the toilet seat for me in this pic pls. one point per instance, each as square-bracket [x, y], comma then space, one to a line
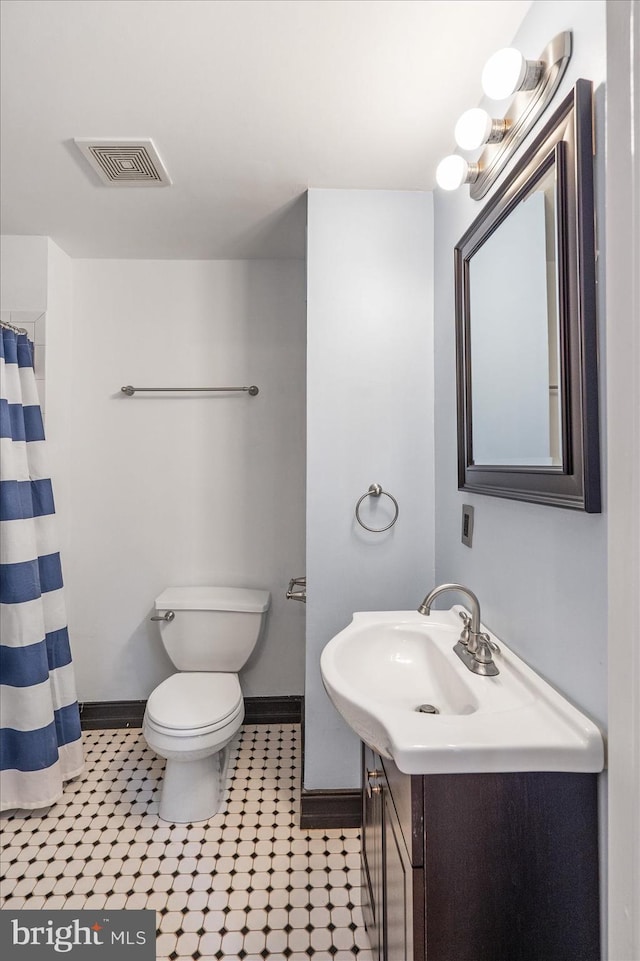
[194, 703]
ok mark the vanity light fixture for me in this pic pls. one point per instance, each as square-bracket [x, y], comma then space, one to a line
[475, 127]
[507, 72]
[454, 171]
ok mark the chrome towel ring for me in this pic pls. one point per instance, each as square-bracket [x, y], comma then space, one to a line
[375, 490]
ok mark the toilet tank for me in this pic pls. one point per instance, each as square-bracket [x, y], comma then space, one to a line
[214, 628]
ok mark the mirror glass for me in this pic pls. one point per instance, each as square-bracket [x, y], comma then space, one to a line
[513, 337]
[526, 334]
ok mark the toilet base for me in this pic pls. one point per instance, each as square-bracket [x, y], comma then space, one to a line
[193, 790]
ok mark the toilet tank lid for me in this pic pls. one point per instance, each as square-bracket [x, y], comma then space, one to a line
[244, 599]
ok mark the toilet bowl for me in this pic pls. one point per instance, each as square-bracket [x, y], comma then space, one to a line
[192, 716]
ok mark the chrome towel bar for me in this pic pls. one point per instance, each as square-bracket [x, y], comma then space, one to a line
[130, 391]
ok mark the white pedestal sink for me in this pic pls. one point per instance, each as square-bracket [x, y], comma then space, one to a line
[384, 665]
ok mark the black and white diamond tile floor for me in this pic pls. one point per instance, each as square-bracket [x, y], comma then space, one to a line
[247, 884]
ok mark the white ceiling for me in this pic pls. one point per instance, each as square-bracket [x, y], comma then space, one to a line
[248, 102]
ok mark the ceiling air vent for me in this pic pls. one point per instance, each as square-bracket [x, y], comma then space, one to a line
[125, 163]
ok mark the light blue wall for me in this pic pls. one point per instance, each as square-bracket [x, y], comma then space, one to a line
[540, 572]
[369, 420]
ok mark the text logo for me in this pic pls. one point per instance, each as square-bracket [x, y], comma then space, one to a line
[105, 935]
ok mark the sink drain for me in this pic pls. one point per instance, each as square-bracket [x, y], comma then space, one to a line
[428, 709]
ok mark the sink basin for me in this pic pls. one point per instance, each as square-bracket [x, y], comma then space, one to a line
[380, 669]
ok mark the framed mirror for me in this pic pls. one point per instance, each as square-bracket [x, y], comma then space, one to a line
[526, 339]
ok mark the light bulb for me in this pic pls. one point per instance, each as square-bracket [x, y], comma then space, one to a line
[454, 171]
[507, 71]
[473, 128]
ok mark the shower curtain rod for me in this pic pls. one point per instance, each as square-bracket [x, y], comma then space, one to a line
[16, 330]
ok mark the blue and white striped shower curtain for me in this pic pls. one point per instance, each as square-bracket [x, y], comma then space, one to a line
[40, 740]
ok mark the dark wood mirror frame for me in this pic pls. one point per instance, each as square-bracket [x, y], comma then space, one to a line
[567, 141]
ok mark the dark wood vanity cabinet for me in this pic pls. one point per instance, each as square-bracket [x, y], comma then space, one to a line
[387, 868]
[479, 867]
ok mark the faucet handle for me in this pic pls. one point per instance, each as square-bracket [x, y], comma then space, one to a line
[466, 620]
[484, 648]
[492, 644]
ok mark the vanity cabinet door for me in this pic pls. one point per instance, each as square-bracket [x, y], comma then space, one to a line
[398, 888]
[388, 876]
[372, 850]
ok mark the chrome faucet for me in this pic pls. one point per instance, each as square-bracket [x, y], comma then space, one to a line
[473, 647]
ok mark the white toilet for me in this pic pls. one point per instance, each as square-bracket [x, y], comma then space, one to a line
[209, 633]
